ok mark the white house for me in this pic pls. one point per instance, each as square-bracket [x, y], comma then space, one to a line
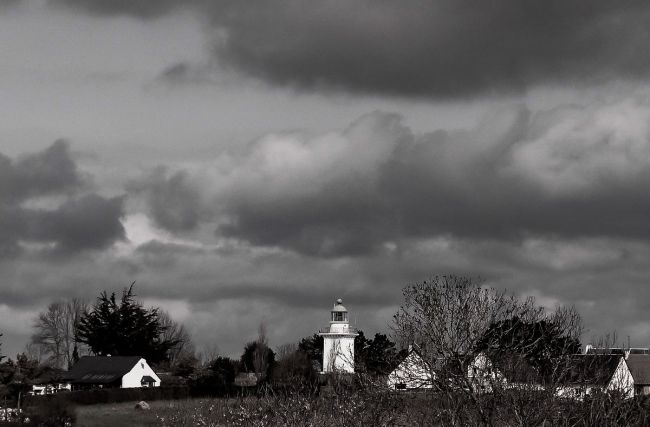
[112, 371]
[588, 373]
[338, 341]
[413, 373]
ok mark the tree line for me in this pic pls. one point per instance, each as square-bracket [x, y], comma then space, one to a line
[119, 325]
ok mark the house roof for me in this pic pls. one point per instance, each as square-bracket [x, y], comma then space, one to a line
[589, 369]
[147, 379]
[639, 365]
[101, 369]
[516, 368]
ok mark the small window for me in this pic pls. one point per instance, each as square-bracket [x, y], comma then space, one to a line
[400, 386]
[142, 365]
[338, 316]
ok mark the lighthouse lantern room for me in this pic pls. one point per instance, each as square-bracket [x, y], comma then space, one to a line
[338, 341]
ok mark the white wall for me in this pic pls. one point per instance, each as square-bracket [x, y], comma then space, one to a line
[412, 372]
[338, 353]
[622, 380]
[134, 377]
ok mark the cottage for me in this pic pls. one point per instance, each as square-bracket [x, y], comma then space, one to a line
[587, 373]
[639, 365]
[413, 373]
[115, 371]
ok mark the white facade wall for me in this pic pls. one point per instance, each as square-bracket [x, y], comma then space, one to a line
[411, 374]
[622, 380]
[133, 378]
[338, 353]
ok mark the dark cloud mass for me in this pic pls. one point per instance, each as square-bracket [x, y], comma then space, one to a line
[173, 201]
[80, 222]
[140, 8]
[90, 222]
[50, 171]
[441, 48]
[570, 172]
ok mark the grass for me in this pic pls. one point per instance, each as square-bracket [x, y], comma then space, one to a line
[120, 414]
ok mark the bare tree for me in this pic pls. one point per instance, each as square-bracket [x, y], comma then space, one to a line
[175, 332]
[476, 342]
[56, 329]
[260, 355]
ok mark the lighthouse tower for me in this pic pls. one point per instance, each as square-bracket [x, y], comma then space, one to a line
[338, 340]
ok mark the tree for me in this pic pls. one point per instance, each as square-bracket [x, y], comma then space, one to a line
[380, 355]
[223, 371]
[257, 356]
[56, 329]
[541, 343]
[124, 328]
[173, 331]
[313, 347]
[455, 320]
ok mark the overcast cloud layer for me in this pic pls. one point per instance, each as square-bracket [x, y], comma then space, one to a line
[438, 48]
[508, 140]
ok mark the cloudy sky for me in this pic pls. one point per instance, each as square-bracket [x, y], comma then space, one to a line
[250, 162]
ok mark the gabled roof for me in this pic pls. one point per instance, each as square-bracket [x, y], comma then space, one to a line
[589, 369]
[516, 368]
[101, 369]
[639, 365]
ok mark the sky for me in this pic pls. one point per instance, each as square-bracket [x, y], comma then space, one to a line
[250, 162]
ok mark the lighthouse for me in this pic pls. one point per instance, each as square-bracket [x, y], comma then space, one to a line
[338, 341]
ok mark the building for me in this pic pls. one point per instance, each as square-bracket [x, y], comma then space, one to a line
[49, 382]
[338, 341]
[637, 360]
[584, 374]
[111, 372]
[413, 373]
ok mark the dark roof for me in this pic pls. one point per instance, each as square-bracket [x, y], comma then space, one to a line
[639, 365]
[101, 369]
[147, 379]
[516, 368]
[589, 369]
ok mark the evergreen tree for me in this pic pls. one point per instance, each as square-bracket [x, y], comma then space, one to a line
[223, 371]
[258, 358]
[123, 328]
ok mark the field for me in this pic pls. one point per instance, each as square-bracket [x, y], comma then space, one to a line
[120, 414]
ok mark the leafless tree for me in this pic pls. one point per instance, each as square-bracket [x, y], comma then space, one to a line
[55, 331]
[260, 355]
[476, 342]
[175, 332]
[286, 351]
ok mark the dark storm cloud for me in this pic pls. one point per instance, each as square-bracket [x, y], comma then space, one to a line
[8, 3]
[80, 222]
[440, 48]
[138, 8]
[569, 172]
[51, 171]
[173, 202]
[90, 222]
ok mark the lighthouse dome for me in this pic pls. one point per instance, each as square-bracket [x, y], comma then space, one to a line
[338, 306]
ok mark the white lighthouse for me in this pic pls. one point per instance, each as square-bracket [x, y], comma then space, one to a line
[338, 341]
